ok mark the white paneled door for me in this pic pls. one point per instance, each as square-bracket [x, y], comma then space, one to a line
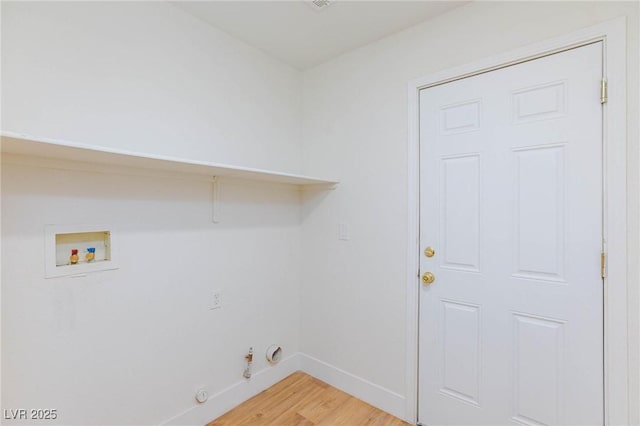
[511, 328]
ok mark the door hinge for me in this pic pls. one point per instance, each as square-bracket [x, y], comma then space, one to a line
[603, 91]
[603, 263]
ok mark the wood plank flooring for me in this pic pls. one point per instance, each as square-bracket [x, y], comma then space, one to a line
[303, 400]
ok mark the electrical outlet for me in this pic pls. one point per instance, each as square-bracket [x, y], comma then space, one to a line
[216, 300]
[343, 232]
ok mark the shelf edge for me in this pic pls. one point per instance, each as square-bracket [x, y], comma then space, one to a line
[19, 143]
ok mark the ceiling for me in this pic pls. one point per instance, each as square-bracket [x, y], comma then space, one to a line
[297, 34]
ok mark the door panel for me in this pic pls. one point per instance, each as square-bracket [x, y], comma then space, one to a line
[538, 363]
[459, 200]
[461, 341]
[511, 200]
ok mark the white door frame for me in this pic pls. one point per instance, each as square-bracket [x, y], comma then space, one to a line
[612, 34]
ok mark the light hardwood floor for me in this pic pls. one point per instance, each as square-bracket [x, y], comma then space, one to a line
[303, 400]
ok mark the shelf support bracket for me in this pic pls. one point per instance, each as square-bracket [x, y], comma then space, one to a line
[215, 196]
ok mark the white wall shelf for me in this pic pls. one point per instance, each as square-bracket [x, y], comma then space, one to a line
[16, 143]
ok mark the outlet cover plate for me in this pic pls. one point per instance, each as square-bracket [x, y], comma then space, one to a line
[216, 300]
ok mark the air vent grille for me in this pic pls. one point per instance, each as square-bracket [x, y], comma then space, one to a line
[319, 5]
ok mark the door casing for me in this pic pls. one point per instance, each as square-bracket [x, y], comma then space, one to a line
[612, 34]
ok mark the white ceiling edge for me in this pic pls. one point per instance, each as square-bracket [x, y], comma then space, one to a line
[296, 34]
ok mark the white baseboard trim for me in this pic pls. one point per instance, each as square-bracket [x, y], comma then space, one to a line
[223, 401]
[228, 398]
[371, 393]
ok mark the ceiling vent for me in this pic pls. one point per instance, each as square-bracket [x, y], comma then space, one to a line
[319, 5]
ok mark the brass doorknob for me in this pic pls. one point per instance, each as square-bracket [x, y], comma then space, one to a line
[429, 252]
[428, 278]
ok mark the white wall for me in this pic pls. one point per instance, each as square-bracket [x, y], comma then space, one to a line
[132, 346]
[355, 127]
[146, 76]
